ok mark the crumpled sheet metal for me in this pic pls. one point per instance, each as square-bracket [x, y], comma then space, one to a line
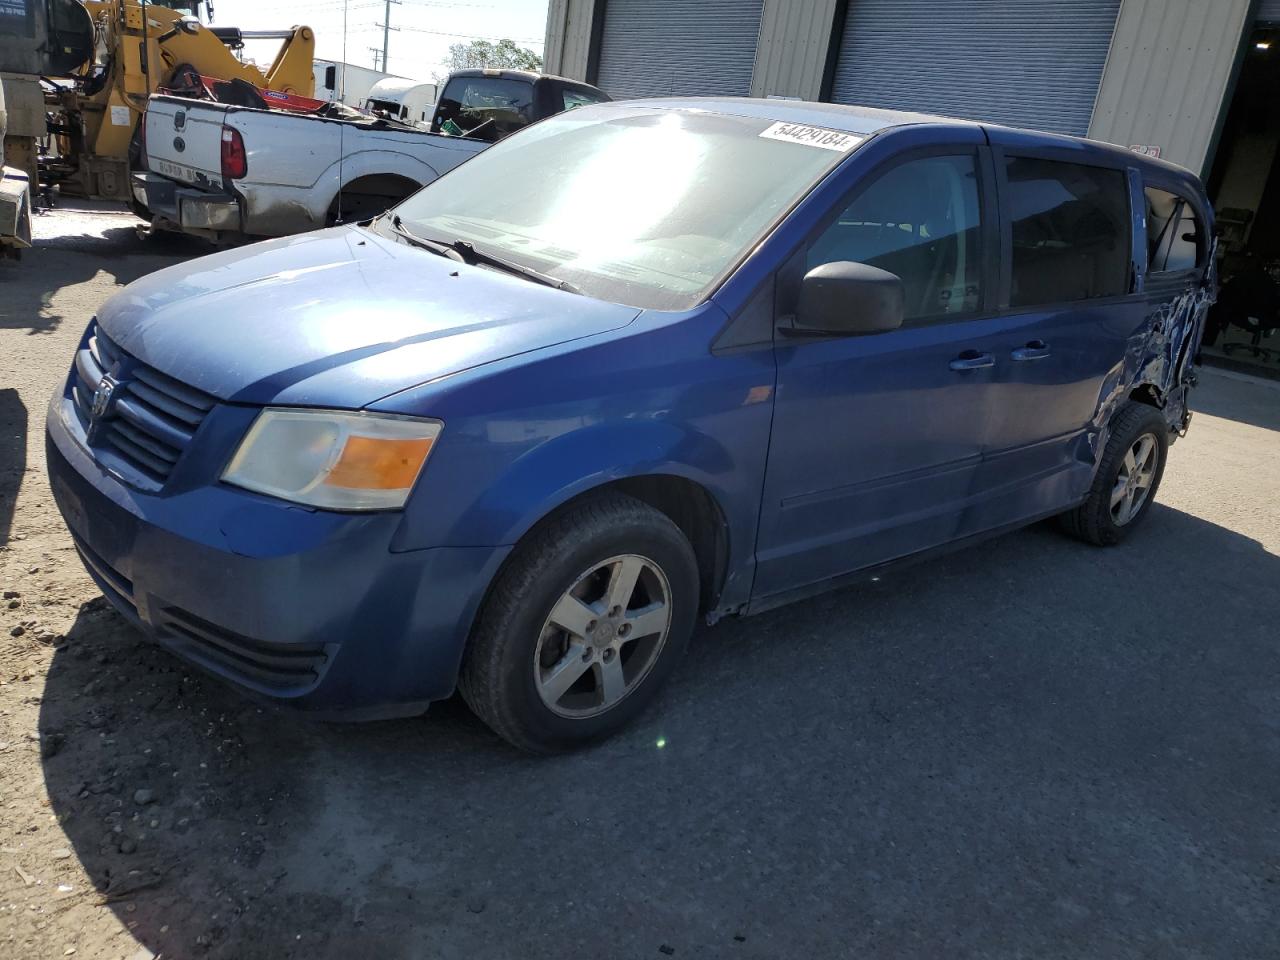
[1168, 362]
[1163, 359]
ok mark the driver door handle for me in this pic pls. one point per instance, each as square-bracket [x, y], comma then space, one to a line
[973, 360]
[1034, 350]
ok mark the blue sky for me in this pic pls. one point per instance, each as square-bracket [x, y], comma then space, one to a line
[427, 27]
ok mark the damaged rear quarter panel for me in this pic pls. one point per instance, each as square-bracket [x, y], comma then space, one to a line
[1162, 356]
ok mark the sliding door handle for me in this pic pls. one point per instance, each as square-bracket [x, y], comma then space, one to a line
[973, 360]
[1034, 350]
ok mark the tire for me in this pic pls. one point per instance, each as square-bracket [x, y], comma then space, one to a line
[1098, 520]
[520, 656]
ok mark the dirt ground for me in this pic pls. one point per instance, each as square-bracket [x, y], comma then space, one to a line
[1032, 748]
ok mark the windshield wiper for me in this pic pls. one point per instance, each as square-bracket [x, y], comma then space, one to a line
[464, 251]
[435, 246]
[473, 256]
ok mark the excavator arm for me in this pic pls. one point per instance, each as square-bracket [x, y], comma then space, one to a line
[208, 50]
[139, 49]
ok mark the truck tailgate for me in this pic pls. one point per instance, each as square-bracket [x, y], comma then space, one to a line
[184, 140]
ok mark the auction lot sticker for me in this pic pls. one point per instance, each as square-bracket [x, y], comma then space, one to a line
[813, 136]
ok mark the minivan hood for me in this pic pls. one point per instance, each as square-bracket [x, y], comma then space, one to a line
[339, 317]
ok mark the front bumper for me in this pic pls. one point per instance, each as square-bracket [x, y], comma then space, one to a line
[306, 607]
[186, 208]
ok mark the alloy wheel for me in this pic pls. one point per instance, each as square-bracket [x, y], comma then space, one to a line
[603, 636]
[1133, 483]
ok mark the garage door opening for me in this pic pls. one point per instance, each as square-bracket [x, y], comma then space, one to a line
[1244, 185]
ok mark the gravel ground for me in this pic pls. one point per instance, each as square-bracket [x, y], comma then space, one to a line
[1029, 749]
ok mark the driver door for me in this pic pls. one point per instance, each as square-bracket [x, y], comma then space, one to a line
[877, 438]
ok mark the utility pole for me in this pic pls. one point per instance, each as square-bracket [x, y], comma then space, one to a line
[386, 31]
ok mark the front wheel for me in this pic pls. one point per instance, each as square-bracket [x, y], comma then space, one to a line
[582, 626]
[1127, 478]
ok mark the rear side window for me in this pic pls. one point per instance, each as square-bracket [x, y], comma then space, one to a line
[1173, 233]
[920, 221]
[1070, 231]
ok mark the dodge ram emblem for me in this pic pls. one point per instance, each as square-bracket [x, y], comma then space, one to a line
[102, 398]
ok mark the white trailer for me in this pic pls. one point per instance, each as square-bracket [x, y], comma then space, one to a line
[346, 83]
[405, 100]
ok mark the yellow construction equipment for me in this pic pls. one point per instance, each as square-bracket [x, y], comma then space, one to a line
[125, 51]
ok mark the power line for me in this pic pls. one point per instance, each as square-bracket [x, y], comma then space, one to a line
[470, 36]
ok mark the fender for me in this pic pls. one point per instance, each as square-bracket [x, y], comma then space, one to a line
[573, 464]
[557, 470]
[341, 173]
[275, 210]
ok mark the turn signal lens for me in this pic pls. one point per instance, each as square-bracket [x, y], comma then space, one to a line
[371, 464]
[335, 459]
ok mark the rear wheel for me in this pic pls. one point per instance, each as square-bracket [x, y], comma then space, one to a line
[582, 626]
[1127, 478]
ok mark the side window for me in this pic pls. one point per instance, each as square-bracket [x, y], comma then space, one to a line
[920, 221]
[1173, 233]
[1070, 231]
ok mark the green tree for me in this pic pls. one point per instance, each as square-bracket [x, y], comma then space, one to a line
[503, 55]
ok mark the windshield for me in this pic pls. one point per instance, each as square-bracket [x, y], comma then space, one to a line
[636, 205]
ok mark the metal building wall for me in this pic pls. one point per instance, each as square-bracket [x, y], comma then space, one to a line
[567, 52]
[1268, 11]
[1167, 74]
[791, 55]
[1029, 63]
[656, 48]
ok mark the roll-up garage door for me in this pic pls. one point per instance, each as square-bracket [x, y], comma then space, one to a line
[1268, 11]
[1033, 63]
[687, 48]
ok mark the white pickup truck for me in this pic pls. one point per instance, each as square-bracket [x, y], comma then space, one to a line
[223, 171]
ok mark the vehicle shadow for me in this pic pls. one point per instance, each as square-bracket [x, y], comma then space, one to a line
[30, 287]
[13, 456]
[1033, 747]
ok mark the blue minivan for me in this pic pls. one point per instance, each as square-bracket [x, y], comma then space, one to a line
[639, 365]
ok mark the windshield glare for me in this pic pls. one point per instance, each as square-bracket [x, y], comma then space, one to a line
[636, 205]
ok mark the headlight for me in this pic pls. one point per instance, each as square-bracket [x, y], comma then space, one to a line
[332, 458]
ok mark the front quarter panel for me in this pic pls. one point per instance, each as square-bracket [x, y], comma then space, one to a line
[525, 435]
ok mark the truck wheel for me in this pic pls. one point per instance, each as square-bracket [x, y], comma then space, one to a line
[1127, 478]
[584, 623]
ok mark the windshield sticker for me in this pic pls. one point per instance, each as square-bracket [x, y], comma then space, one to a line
[813, 136]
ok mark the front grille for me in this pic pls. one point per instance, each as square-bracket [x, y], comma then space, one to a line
[151, 417]
[276, 666]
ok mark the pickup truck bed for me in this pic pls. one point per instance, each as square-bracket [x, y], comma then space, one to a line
[218, 170]
[295, 165]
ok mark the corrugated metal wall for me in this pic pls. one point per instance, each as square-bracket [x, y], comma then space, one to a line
[568, 45]
[654, 48]
[1031, 63]
[1268, 10]
[792, 52]
[1167, 75]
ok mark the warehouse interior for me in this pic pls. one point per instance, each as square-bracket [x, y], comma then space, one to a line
[1244, 184]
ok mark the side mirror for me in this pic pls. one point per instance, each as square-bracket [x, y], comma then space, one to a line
[331, 77]
[849, 298]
